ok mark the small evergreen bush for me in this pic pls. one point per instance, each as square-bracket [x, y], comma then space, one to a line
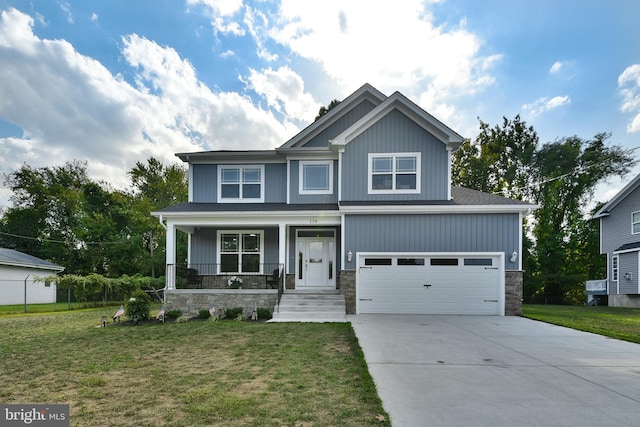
[233, 313]
[138, 306]
[204, 314]
[173, 314]
[264, 313]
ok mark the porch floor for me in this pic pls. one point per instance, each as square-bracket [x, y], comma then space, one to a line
[311, 306]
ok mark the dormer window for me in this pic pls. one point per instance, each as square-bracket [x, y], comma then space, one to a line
[240, 184]
[394, 173]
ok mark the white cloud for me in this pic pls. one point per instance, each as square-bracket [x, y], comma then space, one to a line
[70, 106]
[284, 91]
[556, 67]
[629, 86]
[223, 13]
[94, 17]
[542, 105]
[352, 43]
[66, 8]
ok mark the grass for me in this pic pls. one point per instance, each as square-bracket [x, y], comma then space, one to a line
[614, 322]
[49, 308]
[188, 374]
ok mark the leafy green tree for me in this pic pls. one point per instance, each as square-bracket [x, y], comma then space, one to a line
[324, 110]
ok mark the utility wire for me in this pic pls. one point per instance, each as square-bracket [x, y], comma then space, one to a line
[39, 239]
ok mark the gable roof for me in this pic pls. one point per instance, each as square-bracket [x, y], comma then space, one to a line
[365, 93]
[18, 259]
[622, 194]
[398, 101]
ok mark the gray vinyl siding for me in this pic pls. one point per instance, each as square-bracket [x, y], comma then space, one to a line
[432, 233]
[296, 197]
[615, 232]
[204, 246]
[349, 118]
[395, 133]
[205, 183]
[275, 183]
[628, 264]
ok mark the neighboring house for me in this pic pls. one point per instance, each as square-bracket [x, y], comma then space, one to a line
[18, 277]
[360, 201]
[620, 242]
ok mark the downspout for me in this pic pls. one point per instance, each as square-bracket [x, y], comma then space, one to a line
[161, 218]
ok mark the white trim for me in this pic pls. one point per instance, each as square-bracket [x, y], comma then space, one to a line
[435, 209]
[633, 223]
[615, 271]
[240, 183]
[190, 184]
[449, 195]
[240, 252]
[302, 164]
[340, 154]
[394, 156]
[288, 181]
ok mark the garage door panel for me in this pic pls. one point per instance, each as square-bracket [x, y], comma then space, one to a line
[450, 289]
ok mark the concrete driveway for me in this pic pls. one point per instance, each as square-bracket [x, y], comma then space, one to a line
[498, 371]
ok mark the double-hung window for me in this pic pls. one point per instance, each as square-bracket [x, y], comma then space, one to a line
[240, 251]
[394, 173]
[241, 184]
[316, 177]
[635, 223]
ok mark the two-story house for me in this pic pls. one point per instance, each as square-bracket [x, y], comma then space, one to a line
[361, 203]
[620, 242]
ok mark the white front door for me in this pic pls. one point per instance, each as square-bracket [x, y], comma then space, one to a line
[315, 266]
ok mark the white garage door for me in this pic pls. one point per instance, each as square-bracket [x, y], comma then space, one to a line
[452, 283]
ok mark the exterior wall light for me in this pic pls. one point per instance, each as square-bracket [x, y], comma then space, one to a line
[349, 256]
[514, 256]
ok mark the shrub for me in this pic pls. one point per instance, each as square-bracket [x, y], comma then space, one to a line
[264, 313]
[138, 306]
[173, 314]
[233, 313]
[182, 319]
[204, 314]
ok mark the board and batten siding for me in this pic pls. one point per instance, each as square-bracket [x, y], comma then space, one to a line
[204, 246]
[297, 198]
[205, 183]
[432, 233]
[395, 133]
[349, 118]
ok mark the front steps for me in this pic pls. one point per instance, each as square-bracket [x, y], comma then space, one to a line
[311, 306]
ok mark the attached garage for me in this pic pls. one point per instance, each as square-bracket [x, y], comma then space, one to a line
[431, 283]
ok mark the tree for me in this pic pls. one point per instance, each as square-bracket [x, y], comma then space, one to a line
[499, 160]
[568, 172]
[324, 110]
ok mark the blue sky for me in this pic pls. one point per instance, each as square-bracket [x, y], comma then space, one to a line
[114, 82]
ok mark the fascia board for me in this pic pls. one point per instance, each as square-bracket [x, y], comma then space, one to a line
[34, 266]
[626, 251]
[437, 209]
[398, 101]
[308, 218]
[629, 188]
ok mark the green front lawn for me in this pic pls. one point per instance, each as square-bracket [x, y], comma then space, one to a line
[614, 322]
[198, 373]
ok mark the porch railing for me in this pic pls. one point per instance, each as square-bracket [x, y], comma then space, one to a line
[596, 285]
[212, 276]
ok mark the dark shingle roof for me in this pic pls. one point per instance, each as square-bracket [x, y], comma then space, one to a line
[246, 207]
[628, 246]
[15, 258]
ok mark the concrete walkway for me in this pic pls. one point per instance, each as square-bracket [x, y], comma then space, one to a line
[498, 371]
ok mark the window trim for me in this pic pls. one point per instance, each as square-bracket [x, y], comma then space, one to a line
[240, 252]
[394, 156]
[304, 163]
[633, 223]
[615, 268]
[240, 199]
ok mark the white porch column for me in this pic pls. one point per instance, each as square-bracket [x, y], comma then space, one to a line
[282, 244]
[171, 256]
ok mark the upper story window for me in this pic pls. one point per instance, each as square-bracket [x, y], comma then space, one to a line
[635, 223]
[240, 184]
[316, 177]
[394, 173]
